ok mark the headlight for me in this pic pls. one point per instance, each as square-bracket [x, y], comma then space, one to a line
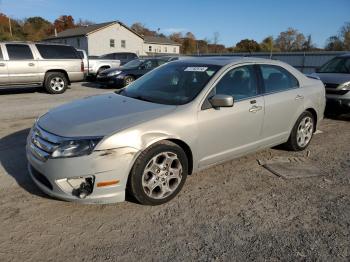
[73, 148]
[114, 73]
[345, 86]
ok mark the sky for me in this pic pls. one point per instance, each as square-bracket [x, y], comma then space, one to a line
[233, 19]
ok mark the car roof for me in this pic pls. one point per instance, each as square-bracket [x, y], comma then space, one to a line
[223, 60]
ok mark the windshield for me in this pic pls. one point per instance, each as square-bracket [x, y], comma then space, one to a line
[336, 65]
[171, 84]
[133, 63]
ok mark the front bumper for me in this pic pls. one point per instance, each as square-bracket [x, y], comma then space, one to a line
[53, 175]
[110, 80]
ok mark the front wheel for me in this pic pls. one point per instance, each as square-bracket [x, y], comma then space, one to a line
[302, 132]
[128, 80]
[158, 173]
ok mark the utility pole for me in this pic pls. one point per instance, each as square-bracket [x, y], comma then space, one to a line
[10, 26]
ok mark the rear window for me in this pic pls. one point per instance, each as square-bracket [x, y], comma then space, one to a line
[57, 51]
[19, 52]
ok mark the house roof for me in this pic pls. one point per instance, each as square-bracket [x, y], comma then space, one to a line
[85, 30]
[159, 40]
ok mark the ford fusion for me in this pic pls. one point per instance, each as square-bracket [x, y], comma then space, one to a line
[178, 119]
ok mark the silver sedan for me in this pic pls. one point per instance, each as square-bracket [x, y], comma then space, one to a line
[178, 119]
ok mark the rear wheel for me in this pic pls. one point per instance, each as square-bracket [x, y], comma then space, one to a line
[55, 83]
[302, 132]
[158, 174]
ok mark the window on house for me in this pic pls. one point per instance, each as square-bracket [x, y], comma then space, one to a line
[78, 42]
[65, 41]
[174, 50]
[165, 50]
[111, 43]
[150, 48]
[123, 43]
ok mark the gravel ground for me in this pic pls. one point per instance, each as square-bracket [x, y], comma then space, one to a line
[237, 211]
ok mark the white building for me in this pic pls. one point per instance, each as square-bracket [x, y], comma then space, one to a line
[111, 37]
[160, 45]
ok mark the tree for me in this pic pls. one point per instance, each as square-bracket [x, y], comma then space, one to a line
[84, 22]
[334, 43]
[142, 29]
[36, 28]
[64, 22]
[176, 37]
[247, 45]
[267, 45]
[345, 35]
[308, 45]
[290, 40]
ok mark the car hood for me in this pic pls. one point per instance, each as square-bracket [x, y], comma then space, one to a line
[333, 78]
[100, 115]
[121, 68]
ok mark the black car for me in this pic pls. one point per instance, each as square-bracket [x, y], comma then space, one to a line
[124, 57]
[124, 75]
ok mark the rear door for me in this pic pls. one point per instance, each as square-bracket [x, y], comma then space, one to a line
[4, 77]
[283, 102]
[22, 67]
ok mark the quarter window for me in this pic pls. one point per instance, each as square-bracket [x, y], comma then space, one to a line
[57, 51]
[277, 79]
[111, 43]
[123, 43]
[240, 82]
[19, 52]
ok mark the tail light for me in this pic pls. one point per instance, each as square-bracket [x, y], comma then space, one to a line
[82, 66]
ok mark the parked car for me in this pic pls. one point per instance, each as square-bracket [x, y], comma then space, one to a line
[126, 74]
[335, 74]
[53, 66]
[123, 57]
[180, 118]
[84, 57]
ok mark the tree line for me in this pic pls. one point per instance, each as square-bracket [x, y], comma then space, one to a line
[291, 40]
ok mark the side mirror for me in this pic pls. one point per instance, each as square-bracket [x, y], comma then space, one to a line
[221, 101]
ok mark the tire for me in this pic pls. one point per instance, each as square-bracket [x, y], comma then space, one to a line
[55, 83]
[128, 80]
[158, 174]
[302, 132]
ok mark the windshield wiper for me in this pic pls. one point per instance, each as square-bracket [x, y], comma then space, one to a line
[139, 97]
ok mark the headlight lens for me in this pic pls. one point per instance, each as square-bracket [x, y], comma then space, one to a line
[73, 148]
[345, 86]
[114, 73]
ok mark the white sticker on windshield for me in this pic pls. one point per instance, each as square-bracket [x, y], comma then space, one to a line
[196, 69]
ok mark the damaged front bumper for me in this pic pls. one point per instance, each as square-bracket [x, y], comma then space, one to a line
[102, 174]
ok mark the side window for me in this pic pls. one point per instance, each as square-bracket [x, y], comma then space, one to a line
[19, 52]
[57, 51]
[148, 64]
[240, 82]
[1, 57]
[277, 79]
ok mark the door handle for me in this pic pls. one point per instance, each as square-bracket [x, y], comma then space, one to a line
[2, 64]
[255, 109]
[298, 97]
[31, 64]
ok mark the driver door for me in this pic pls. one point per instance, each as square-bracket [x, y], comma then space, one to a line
[229, 132]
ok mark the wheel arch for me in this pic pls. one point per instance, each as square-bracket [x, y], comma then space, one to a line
[186, 148]
[59, 71]
[314, 114]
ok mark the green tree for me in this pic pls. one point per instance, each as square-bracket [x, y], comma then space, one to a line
[247, 45]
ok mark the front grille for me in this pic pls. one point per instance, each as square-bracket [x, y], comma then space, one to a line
[336, 92]
[43, 144]
[41, 178]
[330, 85]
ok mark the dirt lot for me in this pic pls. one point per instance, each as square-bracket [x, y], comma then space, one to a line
[237, 211]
